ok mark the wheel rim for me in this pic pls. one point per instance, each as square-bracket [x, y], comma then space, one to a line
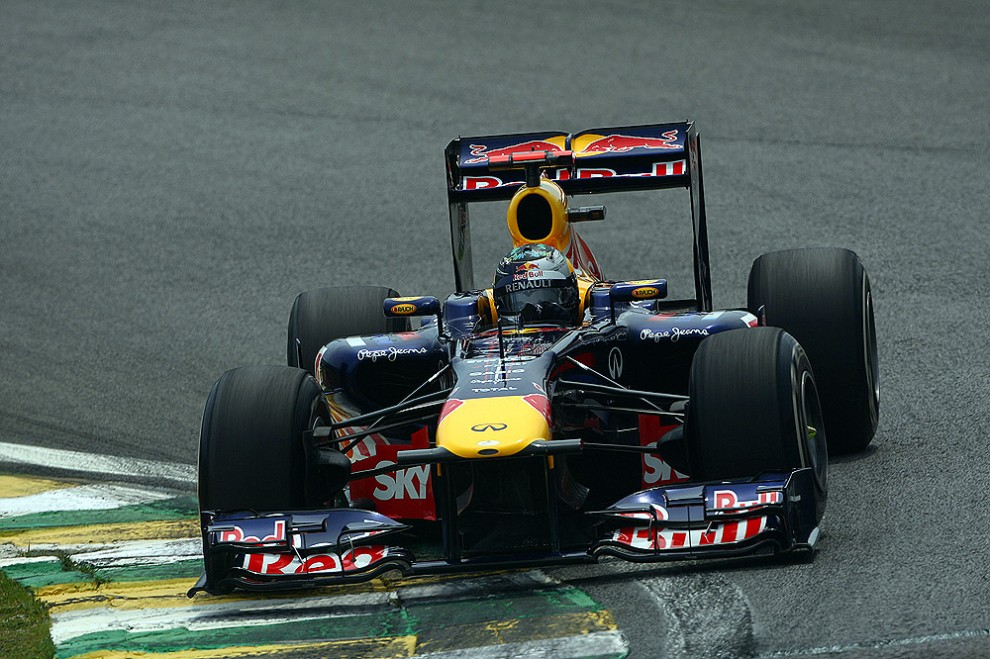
[815, 440]
[870, 349]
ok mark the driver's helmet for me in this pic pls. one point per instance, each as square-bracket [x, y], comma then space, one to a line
[536, 283]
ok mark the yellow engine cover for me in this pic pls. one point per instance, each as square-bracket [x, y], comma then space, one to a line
[555, 230]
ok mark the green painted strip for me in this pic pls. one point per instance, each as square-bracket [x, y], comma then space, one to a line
[178, 570]
[169, 509]
[28, 570]
[49, 573]
[389, 623]
[44, 573]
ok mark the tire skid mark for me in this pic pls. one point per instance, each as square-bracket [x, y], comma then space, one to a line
[707, 615]
[862, 646]
[76, 462]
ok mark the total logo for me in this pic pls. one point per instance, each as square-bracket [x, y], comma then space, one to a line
[408, 483]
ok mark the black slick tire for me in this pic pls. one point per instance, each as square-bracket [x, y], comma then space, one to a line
[321, 315]
[822, 297]
[252, 454]
[754, 409]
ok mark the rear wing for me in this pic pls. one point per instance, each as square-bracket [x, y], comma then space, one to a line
[652, 157]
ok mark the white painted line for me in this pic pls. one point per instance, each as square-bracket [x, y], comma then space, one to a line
[876, 645]
[89, 463]
[84, 497]
[141, 552]
[7, 561]
[569, 647]
[214, 614]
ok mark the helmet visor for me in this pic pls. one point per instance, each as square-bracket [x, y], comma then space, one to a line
[514, 302]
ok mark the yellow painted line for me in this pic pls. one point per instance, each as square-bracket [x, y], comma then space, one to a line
[395, 647]
[501, 632]
[497, 628]
[103, 533]
[81, 595]
[22, 486]
[557, 626]
[167, 593]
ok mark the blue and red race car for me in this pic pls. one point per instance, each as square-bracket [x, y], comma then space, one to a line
[554, 418]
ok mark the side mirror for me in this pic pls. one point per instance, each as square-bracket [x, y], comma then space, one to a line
[636, 291]
[586, 214]
[399, 307]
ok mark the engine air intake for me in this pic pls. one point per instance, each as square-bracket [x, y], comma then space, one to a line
[535, 218]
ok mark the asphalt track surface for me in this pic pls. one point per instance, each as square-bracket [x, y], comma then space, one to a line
[173, 174]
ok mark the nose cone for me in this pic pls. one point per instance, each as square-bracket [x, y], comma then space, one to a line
[493, 427]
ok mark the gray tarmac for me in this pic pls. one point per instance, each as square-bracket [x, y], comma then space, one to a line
[173, 174]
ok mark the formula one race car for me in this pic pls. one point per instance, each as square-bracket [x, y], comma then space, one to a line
[554, 418]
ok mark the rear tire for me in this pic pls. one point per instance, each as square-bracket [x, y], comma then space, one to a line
[822, 297]
[252, 454]
[753, 405]
[323, 314]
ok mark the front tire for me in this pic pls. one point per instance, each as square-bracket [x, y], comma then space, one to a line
[822, 297]
[754, 409]
[252, 452]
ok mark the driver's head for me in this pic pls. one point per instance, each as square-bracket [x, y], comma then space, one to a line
[536, 283]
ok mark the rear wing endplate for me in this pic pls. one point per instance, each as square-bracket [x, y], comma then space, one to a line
[652, 157]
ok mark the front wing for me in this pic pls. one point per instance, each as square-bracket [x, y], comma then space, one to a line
[774, 513]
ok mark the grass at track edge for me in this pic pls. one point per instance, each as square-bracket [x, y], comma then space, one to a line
[24, 623]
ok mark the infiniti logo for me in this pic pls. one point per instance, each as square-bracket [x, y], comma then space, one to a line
[615, 363]
[482, 427]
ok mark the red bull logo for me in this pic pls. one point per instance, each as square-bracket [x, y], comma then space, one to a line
[481, 152]
[625, 143]
[527, 271]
